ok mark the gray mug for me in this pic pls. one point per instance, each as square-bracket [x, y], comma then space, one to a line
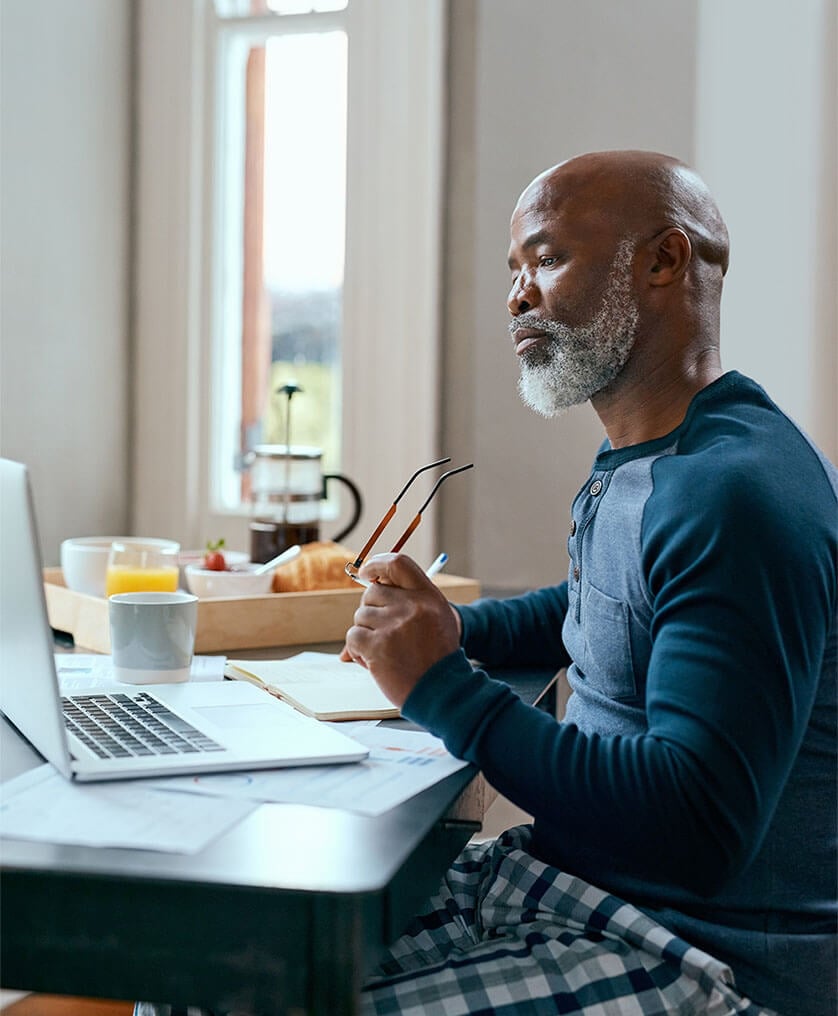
[152, 636]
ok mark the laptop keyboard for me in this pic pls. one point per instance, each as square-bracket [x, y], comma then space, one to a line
[125, 726]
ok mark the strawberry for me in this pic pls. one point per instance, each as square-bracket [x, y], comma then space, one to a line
[213, 558]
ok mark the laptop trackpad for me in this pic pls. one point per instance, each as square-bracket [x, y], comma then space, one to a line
[241, 717]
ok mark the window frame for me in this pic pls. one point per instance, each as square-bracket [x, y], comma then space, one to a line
[390, 327]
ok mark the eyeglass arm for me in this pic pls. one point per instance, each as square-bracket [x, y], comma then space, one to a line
[359, 560]
[402, 540]
[421, 469]
[441, 480]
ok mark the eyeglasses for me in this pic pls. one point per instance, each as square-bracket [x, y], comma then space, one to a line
[353, 567]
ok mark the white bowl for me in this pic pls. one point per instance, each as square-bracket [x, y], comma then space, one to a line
[84, 561]
[240, 582]
[196, 557]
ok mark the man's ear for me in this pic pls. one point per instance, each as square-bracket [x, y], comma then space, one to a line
[671, 253]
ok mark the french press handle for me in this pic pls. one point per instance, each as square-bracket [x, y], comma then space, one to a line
[357, 502]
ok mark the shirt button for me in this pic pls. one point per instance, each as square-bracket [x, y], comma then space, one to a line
[596, 487]
[573, 527]
[576, 572]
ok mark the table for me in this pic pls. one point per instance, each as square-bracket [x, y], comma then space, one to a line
[283, 914]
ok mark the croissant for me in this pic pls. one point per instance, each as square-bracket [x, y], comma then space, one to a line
[319, 566]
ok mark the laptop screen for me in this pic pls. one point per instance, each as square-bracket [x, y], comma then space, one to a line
[28, 681]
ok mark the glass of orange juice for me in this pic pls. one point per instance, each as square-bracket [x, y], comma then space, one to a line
[142, 566]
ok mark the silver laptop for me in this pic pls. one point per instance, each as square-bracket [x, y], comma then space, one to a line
[156, 730]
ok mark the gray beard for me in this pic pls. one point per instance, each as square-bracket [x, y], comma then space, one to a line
[577, 362]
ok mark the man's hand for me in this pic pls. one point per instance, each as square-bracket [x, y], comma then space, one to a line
[403, 626]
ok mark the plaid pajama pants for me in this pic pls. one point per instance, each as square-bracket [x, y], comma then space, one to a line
[509, 935]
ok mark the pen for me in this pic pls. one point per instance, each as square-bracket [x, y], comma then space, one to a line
[438, 565]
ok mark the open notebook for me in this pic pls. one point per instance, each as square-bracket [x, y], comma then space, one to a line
[319, 685]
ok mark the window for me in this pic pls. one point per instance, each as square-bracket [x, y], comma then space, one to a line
[281, 192]
[288, 228]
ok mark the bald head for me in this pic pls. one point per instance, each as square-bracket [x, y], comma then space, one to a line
[637, 194]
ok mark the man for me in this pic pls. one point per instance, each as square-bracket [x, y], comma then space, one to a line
[685, 809]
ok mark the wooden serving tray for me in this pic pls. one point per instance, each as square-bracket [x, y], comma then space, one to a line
[240, 622]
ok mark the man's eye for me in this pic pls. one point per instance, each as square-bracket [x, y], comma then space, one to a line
[548, 261]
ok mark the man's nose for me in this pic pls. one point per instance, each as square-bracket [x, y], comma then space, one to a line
[523, 296]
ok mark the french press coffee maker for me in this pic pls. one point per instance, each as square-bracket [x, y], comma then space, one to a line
[287, 488]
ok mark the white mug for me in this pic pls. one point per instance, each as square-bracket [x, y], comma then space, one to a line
[152, 636]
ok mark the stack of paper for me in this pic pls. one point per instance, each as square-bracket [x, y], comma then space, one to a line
[401, 764]
[42, 805]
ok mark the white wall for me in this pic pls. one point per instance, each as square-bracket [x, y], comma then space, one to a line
[766, 144]
[540, 80]
[64, 215]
